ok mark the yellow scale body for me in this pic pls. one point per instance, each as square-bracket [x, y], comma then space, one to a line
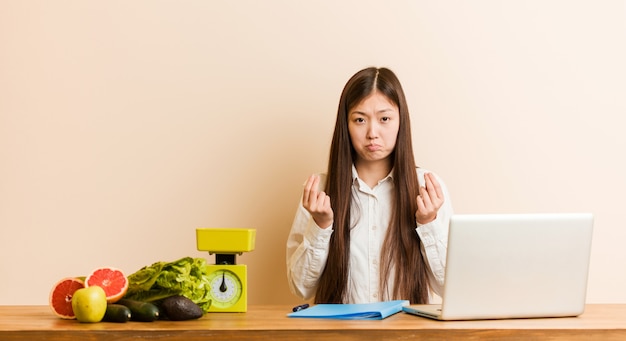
[228, 280]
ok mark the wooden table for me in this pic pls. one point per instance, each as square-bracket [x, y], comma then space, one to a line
[599, 322]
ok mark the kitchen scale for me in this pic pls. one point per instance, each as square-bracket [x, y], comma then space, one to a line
[228, 280]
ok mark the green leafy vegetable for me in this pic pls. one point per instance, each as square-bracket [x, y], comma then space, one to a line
[186, 277]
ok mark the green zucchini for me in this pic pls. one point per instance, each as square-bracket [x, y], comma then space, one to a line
[141, 311]
[117, 313]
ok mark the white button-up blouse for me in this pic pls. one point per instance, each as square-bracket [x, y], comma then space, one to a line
[308, 244]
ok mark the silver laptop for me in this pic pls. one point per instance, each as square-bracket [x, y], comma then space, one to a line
[514, 266]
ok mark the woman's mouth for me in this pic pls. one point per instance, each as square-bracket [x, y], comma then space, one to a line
[373, 147]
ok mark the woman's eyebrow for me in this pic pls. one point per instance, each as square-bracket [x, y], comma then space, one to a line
[377, 112]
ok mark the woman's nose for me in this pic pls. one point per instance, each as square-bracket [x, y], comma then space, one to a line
[372, 131]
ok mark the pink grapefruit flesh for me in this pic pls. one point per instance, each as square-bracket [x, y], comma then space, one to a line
[113, 281]
[61, 297]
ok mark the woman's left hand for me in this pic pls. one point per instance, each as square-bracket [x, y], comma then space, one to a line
[429, 200]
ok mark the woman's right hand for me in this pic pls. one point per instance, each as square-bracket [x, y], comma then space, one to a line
[317, 202]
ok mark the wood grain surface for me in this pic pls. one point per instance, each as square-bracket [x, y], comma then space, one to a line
[600, 321]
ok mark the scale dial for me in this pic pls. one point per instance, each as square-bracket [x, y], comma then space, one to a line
[226, 288]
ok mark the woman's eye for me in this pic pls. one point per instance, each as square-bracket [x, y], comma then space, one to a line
[359, 120]
[386, 119]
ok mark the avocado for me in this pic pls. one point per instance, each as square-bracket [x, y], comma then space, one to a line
[180, 308]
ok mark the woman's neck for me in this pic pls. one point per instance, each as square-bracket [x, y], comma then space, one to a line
[371, 172]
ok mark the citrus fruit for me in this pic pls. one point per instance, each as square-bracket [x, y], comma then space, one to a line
[113, 281]
[61, 296]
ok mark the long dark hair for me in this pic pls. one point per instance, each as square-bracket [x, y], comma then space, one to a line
[401, 254]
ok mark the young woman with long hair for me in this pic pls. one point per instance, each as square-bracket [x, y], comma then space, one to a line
[374, 227]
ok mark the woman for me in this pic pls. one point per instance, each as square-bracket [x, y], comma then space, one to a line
[370, 230]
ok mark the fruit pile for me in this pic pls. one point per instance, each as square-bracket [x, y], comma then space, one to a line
[100, 297]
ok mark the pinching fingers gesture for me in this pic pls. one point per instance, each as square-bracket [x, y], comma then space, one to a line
[429, 200]
[317, 202]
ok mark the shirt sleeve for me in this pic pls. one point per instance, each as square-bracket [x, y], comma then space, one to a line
[307, 251]
[434, 237]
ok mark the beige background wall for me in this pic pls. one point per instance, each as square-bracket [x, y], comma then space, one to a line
[124, 125]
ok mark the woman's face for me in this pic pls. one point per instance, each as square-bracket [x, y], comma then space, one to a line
[373, 125]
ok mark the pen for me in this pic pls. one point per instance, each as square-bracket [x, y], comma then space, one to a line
[300, 307]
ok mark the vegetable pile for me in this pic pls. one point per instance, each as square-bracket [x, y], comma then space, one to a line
[186, 277]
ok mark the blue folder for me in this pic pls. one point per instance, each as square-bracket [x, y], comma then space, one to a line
[357, 311]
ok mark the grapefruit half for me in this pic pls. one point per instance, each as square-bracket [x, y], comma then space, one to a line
[61, 297]
[112, 280]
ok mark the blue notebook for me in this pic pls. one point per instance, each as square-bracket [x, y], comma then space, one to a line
[358, 311]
